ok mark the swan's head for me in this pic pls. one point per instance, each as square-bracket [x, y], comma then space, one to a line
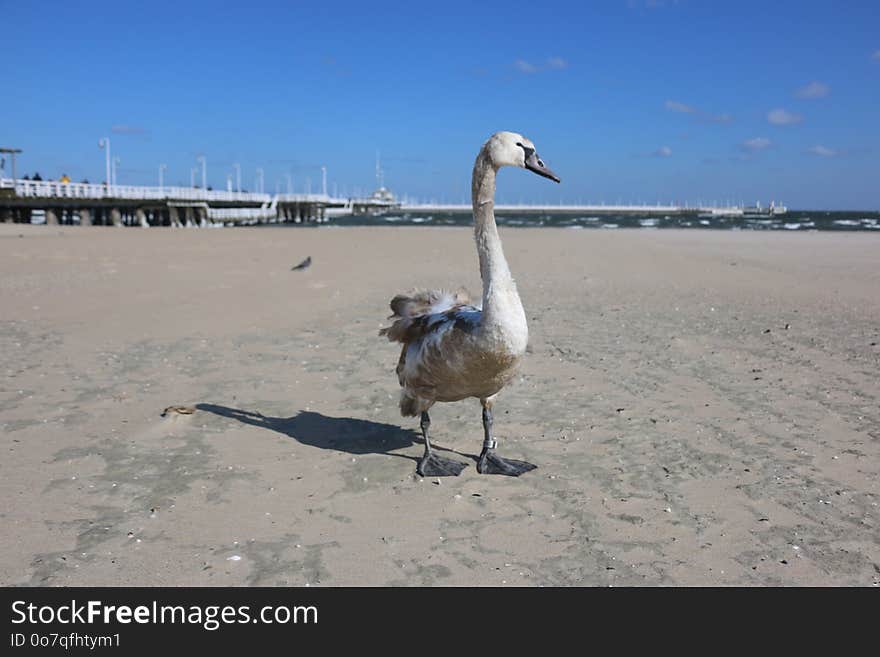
[509, 149]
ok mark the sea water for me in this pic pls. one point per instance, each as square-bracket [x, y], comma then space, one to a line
[792, 221]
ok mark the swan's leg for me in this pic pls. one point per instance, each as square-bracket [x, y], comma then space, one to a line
[490, 462]
[432, 465]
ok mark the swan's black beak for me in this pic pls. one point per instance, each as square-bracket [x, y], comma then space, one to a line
[536, 164]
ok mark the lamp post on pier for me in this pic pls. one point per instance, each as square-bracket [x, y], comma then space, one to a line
[105, 144]
[260, 181]
[201, 158]
[162, 168]
[11, 152]
[237, 168]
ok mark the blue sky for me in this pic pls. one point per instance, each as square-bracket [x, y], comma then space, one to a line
[628, 100]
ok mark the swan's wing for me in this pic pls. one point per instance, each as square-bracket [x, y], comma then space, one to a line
[428, 302]
[427, 312]
[424, 322]
[433, 339]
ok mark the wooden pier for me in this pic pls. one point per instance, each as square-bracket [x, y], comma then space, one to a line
[21, 201]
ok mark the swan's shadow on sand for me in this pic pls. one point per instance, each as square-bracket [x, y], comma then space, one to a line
[343, 434]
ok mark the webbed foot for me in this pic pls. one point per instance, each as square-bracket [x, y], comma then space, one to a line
[432, 465]
[491, 463]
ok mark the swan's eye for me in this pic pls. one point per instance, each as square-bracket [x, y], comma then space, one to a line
[527, 152]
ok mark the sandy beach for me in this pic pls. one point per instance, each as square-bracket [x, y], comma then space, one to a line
[703, 408]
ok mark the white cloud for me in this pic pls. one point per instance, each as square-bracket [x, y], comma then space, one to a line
[822, 151]
[700, 115]
[783, 117]
[675, 106]
[663, 151]
[813, 90]
[755, 144]
[524, 67]
[549, 64]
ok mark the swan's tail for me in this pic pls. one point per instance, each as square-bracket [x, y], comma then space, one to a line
[407, 309]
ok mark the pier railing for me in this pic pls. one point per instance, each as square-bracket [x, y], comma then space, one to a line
[51, 189]
[55, 189]
[323, 199]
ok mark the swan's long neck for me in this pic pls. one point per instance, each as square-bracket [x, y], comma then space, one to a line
[503, 315]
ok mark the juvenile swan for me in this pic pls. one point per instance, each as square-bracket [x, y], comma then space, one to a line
[453, 349]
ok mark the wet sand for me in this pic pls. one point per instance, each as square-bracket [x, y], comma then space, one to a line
[704, 409]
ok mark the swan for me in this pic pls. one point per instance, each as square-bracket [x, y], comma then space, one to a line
[454, 349]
